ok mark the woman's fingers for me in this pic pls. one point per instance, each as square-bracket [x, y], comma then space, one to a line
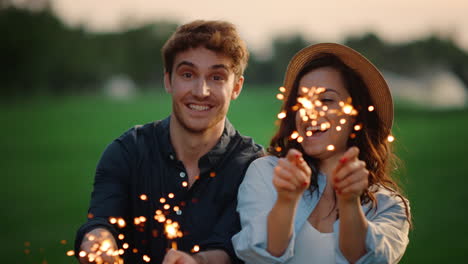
[347, 169]
[355, 177]
[281, 182]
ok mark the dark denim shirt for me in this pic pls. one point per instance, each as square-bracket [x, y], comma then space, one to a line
[143, 161]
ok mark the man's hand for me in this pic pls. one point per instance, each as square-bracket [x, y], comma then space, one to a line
[178, 257]
[99, 246]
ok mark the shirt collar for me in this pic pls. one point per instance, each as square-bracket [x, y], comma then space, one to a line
[210, 159]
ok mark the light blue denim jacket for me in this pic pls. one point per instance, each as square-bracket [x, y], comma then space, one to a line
[387, 233]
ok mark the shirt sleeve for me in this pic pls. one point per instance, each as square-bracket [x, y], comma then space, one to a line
[387, 232]
[227, 225]
[255, 200]
[110, 194]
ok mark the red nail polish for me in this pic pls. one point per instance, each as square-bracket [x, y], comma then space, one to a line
[343, 160]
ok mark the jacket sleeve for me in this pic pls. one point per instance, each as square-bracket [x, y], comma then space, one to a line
[110, 196]
[387, 231]
[255, 200]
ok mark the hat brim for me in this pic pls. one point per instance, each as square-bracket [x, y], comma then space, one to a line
[374, 80]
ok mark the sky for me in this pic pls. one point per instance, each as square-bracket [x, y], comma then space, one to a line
[259, 20]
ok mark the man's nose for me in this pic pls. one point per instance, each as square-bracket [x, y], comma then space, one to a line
[202, 89]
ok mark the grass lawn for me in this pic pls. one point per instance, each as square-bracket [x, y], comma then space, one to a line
[50, 147]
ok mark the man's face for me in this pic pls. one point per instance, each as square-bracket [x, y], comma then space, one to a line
[202, 86]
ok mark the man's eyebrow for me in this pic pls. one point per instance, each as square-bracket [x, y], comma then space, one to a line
[220, 66]
[187, 63]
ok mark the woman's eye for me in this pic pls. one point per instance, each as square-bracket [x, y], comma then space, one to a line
[326, 100]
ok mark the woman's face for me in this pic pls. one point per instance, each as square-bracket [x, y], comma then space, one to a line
[332, 127]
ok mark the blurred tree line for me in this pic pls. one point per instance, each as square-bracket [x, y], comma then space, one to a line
[38, 53]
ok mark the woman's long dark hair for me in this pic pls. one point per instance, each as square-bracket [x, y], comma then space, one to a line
[371, 140]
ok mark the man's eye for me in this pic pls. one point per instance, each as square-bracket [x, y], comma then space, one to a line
[187, 75]
[218, 77]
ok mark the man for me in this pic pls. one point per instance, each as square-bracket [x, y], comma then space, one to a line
[184, 169]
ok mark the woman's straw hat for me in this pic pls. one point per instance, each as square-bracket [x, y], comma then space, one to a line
[376, 84]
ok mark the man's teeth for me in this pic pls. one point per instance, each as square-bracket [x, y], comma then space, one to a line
[199, 107]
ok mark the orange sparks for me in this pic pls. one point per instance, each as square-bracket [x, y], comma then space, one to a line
[352, 136]
[390, 138]
[125, 245]
[309, 133]
[146, 258]
[347, 109]
[171, 195]
[90, 216]
[70, 253]
[142, 219]
[105, 245]
[166, 207]
[143, 197]
[338, 128]
[27, 251]
[184, 184]
[121, 236]
[294, 135]
[171, 229]
[91, 238]
[162, 200]
[158, 212]
[300, 139]
[330, 147]
[113, 220]
[282, 115]
[82, 254]
[305, 90]
[357, 127]
[121, 223]
[280, 96]
[27, 244]
[63, 242]
[305, 118]
[176, 208]
[305, 102]
[371, 108]
[135, 250]
[278, 149]
[195, 248]
[212, 174]
[282, 89]
[121, 251]
[342, 121]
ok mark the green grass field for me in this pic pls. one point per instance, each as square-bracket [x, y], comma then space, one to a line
[50, 147]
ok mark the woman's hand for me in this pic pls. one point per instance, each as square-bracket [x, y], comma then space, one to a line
[350, 177]
[291, 176]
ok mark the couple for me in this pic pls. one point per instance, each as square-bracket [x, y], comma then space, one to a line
[323, 194]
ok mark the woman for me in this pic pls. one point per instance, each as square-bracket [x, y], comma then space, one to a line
[325, 193]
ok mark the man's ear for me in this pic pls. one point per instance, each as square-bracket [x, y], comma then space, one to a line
[237, 88]
[167, 82]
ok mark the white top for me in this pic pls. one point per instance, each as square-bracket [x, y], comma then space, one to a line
[313, 246]
[387, 230]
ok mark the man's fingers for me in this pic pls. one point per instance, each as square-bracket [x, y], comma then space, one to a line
[171, 257]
